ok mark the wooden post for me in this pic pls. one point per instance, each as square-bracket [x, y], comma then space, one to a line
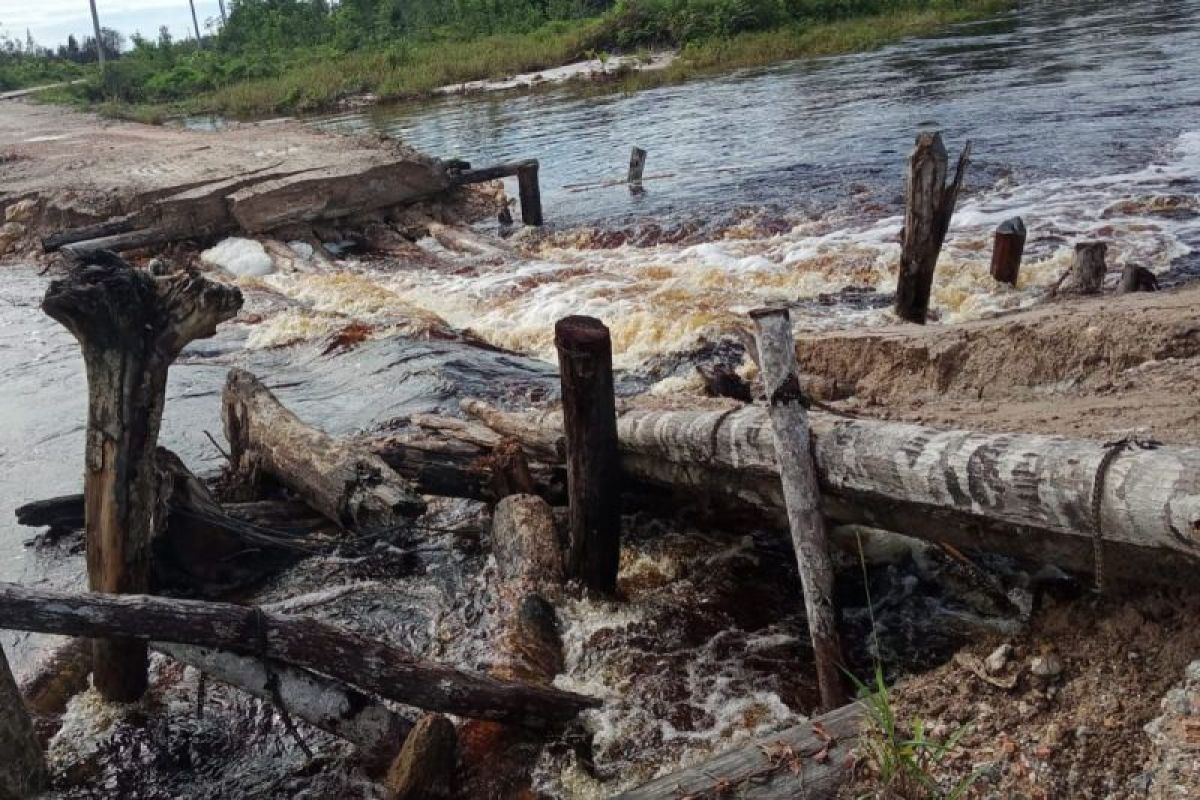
[593, 464]
[22, 765]
[1088, 267]
[196, 24]
[637, 163]
[531, 194]
[1007, 248]
[929, 204]
[131, 326]
[797, 471]
[99, 40]
[1137, 279]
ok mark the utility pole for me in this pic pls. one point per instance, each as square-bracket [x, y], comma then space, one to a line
[99, 41]
[223, 18]
[196, 23]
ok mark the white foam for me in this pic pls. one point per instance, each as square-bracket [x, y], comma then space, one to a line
[245, 258]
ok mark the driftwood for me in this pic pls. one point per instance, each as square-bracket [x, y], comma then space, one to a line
[425, 767]
[527, 184]
[810, 761]
[801, 495]
[131, 326]
[1008, 246]
[1088, 267]
[1137, 279]
[1028, 496]
[929, 204]
[351, 487]
[22, 764]
[374, 667]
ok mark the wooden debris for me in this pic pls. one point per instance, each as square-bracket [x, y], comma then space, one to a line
[1008, 246]
[1137, 279]
[425, 768]
[527, 184]
[1088, 267]
[929, 204]
[374, 667]
[351, 487]
[22, 765]
[593, 466]
[59, 677]
[801, 495]
[811, 761]
[130, 325]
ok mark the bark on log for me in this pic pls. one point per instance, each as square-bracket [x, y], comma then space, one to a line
[131, 326]
[96, 230]
[22, 765]
[1029, 496]
[810, 761]
[1007, 248]
[353, 488]
[1137, 279]
[801, 495]
[374, 667]
[425, 767]
[929, 204]
[329, 705]
[1088, 267]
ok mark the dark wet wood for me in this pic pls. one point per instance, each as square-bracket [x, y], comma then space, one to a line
[637, 165]
[130, 325]
[374, 667]
[1008, 246]
[22, 765]
[56, 512]
[929, 204]
[425, 769]
[811, 761]
[1137, 279]
[96, 230]
[530, 193]
[1088, 267]
[593, 463]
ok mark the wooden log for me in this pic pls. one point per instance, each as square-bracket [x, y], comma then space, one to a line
[1024, 495]
[351, 487]
[121, 242]
[637, 165]
[22, 765]
[1008, 246]
[131, 326]
[929, 204]
[492, 173]
[801, 495]
[593, 466]
[96, 230]
[374, 667]
[530, 193]
[1137, 279]
[425, 768]
[329, 705]
[812, 761]
[64, 512]
[1088, 267]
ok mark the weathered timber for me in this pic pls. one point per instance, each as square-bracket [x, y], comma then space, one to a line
[130, 325]
[121, 242]
[425, 767]
[1008, 246]
[801, 495]
[65, 511]
[22, 764]
[1088, 267]
[351, 487]
[811, 761]
[593, 464]
[58, 677]
[96, 230]
[530, 193]
[637, 165]
[1025, 495]
[929, 204]
[326, 704]
[385, 670]
[1137, 279]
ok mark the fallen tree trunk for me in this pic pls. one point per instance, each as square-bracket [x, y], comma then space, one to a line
[351, 487]
[811, 761]
[378, 668]
[1024, 495]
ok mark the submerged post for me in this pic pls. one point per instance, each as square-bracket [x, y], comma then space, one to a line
[797, 470]
[530, 192]
[22, 765]
[593, 463]
[637, 164]
[130, 325]
[1007, 248]
[929, 204]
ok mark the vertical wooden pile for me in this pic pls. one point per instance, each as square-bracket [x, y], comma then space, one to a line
[22, 765]
[793, 449]
[929, 204]
[130, 325]
[1007, 248]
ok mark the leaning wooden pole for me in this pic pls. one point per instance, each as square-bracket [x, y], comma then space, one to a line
[929, 204]
[802, 497]
[22, 765]
[593, 463]
[130, 325]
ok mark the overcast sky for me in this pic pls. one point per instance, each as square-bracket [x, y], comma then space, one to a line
[51, 21]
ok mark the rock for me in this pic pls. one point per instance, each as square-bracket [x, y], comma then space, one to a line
[10, 234]
[1047, 666]
[999, 658]
[424, 769]
[21, 212]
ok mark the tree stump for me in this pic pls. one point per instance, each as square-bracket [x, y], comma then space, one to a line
[593, 463]
[1007, 248]
[929, 204]
[1088, 267]
[130, 325]
[802, 497]
[1137, 279]
[22, 765]
[530, 192]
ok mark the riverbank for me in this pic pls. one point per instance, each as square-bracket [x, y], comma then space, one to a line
[318, 80]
